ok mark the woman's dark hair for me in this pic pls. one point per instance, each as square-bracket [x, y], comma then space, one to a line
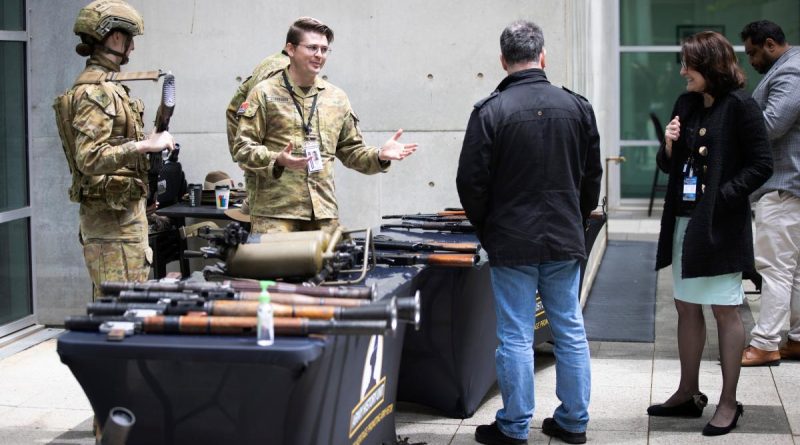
[711, 54]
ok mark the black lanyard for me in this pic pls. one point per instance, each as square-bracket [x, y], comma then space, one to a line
[306, 126]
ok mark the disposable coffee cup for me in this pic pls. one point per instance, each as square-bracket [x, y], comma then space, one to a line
[223, 195]
[195, 194]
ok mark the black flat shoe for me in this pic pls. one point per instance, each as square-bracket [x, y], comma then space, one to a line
[711, 430]
[690, 408]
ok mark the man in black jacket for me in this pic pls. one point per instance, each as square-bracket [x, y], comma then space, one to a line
[528, 176]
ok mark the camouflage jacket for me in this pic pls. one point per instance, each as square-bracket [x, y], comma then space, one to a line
[107, 122]
[275, 62]
[269, 120]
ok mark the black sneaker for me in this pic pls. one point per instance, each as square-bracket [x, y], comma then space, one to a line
[551, 428]
[491, 435]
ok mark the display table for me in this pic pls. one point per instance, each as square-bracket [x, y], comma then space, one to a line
[226, 390]
[448, 364]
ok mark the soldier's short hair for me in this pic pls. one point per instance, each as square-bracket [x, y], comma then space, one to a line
[521, 41]
[307, 24]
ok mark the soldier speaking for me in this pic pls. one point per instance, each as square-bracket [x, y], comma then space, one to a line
[291, 127]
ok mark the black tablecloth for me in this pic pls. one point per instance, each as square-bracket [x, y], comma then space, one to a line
[214, 389]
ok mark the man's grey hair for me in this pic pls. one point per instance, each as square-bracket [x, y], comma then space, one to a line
[521, 41]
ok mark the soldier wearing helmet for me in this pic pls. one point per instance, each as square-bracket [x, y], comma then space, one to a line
[101, 130]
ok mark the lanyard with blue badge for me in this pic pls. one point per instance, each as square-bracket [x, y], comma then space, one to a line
[689, 180]
[310, 144]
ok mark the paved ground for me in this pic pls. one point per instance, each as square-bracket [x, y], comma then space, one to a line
[41, 403]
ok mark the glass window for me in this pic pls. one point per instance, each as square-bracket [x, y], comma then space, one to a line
[664, 22]
[12, 15]
[15, 280]
[651, 82]
[13, 155]
[638, 171]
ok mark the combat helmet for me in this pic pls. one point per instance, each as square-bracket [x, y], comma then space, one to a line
[100, 17]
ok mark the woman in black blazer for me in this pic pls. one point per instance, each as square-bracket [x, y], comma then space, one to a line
[716, 153]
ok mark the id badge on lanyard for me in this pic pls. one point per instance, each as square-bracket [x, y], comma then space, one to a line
[689, 184]
[311, 148]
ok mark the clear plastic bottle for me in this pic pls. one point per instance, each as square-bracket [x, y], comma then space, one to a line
[266, 324]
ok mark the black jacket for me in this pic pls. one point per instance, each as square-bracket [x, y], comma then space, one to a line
[719, 238]
[529, 172]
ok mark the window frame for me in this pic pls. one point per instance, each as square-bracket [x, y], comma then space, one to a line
[23, 213]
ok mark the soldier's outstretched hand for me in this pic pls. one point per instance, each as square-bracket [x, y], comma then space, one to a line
[395, 151]
[156, 142]
[286, 159]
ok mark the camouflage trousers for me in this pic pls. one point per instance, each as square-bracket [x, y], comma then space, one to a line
[116, 261]
[260, 224]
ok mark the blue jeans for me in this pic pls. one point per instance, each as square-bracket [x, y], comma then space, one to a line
[515, 304]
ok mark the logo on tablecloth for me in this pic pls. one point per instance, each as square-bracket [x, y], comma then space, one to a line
[373, 384]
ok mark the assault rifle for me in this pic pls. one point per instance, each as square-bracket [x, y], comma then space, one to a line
[408, 308]
[433, 259]
[442, 216]
[441, 226]
[233, 286]
[231, 308]
[118, 327]
[276, 297]
[163, 116]
[383, 242]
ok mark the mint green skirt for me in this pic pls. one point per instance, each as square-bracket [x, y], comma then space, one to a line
[720, 289]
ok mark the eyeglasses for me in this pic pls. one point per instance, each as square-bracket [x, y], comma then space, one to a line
[323, 50]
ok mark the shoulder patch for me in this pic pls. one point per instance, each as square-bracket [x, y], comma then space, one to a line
[574, 93]
[100, 96]
[483, 101]
[247, 109]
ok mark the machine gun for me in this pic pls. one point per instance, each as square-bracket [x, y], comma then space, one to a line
[311, 256]
[163, 116]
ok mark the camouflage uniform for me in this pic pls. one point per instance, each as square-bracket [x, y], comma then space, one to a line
[269, 121]
[112, 177]
[275, 62]
[269, 65]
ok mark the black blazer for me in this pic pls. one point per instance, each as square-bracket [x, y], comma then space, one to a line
[719, 238]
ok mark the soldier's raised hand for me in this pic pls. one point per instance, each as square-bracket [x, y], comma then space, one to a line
[286, 159]
[395, 151]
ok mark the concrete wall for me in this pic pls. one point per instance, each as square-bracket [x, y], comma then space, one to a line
[416, 65]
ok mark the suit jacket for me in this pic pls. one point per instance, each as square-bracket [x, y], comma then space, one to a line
[719, 237]
[778, 95]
